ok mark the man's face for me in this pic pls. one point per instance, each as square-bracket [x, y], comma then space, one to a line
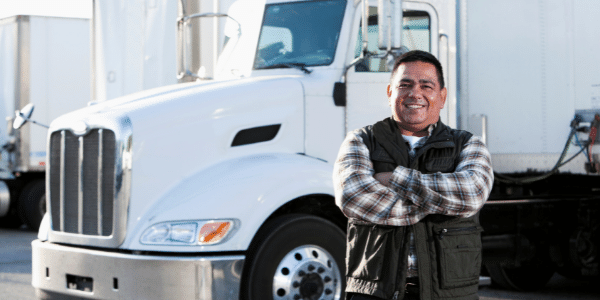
[415, 96]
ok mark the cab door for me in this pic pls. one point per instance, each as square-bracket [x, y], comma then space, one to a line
[367, 81]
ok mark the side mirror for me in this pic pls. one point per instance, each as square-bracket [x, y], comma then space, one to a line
[389, 19]
[184, 58]
[22, 116]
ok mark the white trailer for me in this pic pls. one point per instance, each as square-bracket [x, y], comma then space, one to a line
[222, 189]
[133, 48]
[43, 61]
[135, 43]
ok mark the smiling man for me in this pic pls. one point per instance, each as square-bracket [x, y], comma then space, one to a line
[412, 188]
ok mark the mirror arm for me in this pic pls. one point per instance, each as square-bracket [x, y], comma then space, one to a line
[181, 23]
[357, 60]
[25, 120]
[40, 124]
[185, 19]
[365, 28]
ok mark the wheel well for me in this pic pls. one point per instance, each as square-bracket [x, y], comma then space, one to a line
[318, 205]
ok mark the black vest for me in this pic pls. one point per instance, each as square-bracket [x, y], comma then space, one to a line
[448, 248]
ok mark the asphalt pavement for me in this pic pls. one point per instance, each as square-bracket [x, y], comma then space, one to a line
[15, 276]
[15, 264]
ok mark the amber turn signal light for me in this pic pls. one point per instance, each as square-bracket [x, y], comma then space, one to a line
[213, 232]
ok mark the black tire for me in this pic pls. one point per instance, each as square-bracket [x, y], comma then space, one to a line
[296, 255]
[11, 220]
[530, 276]
[32, 204]
[570, 272]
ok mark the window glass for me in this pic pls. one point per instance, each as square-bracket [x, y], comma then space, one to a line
[299, 33]
[415, 36]
[416, 31]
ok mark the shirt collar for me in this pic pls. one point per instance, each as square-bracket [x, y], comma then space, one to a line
[431, 128]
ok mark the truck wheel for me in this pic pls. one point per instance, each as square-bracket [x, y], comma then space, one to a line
[297, 257]
[530, 276]
[11, 220]
[32, 203]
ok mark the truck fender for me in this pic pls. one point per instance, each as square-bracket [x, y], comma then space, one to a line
[247, 189]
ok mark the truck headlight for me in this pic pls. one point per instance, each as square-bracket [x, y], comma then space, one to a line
[187, 233]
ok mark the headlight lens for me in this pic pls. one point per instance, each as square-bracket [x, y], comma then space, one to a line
[184, 233]
[157, 233]
[187, 233]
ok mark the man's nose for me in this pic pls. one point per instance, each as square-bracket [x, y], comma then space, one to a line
[414, 92]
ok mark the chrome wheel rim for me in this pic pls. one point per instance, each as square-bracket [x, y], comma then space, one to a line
[307, 272]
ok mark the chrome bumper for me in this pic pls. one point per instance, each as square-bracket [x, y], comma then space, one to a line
[97, 274]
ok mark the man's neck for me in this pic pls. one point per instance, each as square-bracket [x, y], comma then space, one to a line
[421, 133]
[412, 132]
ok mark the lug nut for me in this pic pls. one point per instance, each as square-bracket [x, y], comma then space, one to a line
[301, 273]
[327, 279]
[297, 297]
[320, 270]
[296, 284]
[327, 292]
[311, 267]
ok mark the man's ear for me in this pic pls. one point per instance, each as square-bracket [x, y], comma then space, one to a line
[443, 93]
[389, 91]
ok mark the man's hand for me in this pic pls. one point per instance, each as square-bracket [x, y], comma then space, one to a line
[384, 178]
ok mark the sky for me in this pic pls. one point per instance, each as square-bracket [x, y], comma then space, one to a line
[55, 8]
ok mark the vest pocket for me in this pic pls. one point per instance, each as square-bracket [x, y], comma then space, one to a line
[459, 256]
[368, 246]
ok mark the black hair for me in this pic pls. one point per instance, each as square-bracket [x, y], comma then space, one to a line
[418, 55]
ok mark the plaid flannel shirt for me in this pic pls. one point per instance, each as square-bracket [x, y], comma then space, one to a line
[411, 195]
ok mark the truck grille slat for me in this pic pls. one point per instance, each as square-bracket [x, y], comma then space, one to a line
[62, 180]
[108, 181]
[99, 183]
[80, 188]
[82, 169]
[89, 179]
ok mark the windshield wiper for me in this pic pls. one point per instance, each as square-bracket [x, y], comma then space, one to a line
[299, 66]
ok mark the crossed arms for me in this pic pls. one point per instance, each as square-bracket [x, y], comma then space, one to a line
[406, 196]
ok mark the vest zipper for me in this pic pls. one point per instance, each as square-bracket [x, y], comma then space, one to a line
[444, 231]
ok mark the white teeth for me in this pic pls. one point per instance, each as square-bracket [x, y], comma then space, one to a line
[414, 106]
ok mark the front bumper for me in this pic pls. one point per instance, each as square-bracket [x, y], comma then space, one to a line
[95, 274]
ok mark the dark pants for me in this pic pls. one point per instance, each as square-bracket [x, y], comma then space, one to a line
[407, 296]
[412, 293]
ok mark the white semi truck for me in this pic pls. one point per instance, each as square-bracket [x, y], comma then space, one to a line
[61, 64]
[222, 189]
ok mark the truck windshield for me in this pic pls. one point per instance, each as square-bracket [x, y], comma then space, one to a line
[299, 34]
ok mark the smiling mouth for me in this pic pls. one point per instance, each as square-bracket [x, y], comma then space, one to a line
[414, 106]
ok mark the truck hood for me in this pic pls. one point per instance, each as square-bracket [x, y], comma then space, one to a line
[182, 129]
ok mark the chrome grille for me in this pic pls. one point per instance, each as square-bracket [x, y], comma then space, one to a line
[82, 182]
